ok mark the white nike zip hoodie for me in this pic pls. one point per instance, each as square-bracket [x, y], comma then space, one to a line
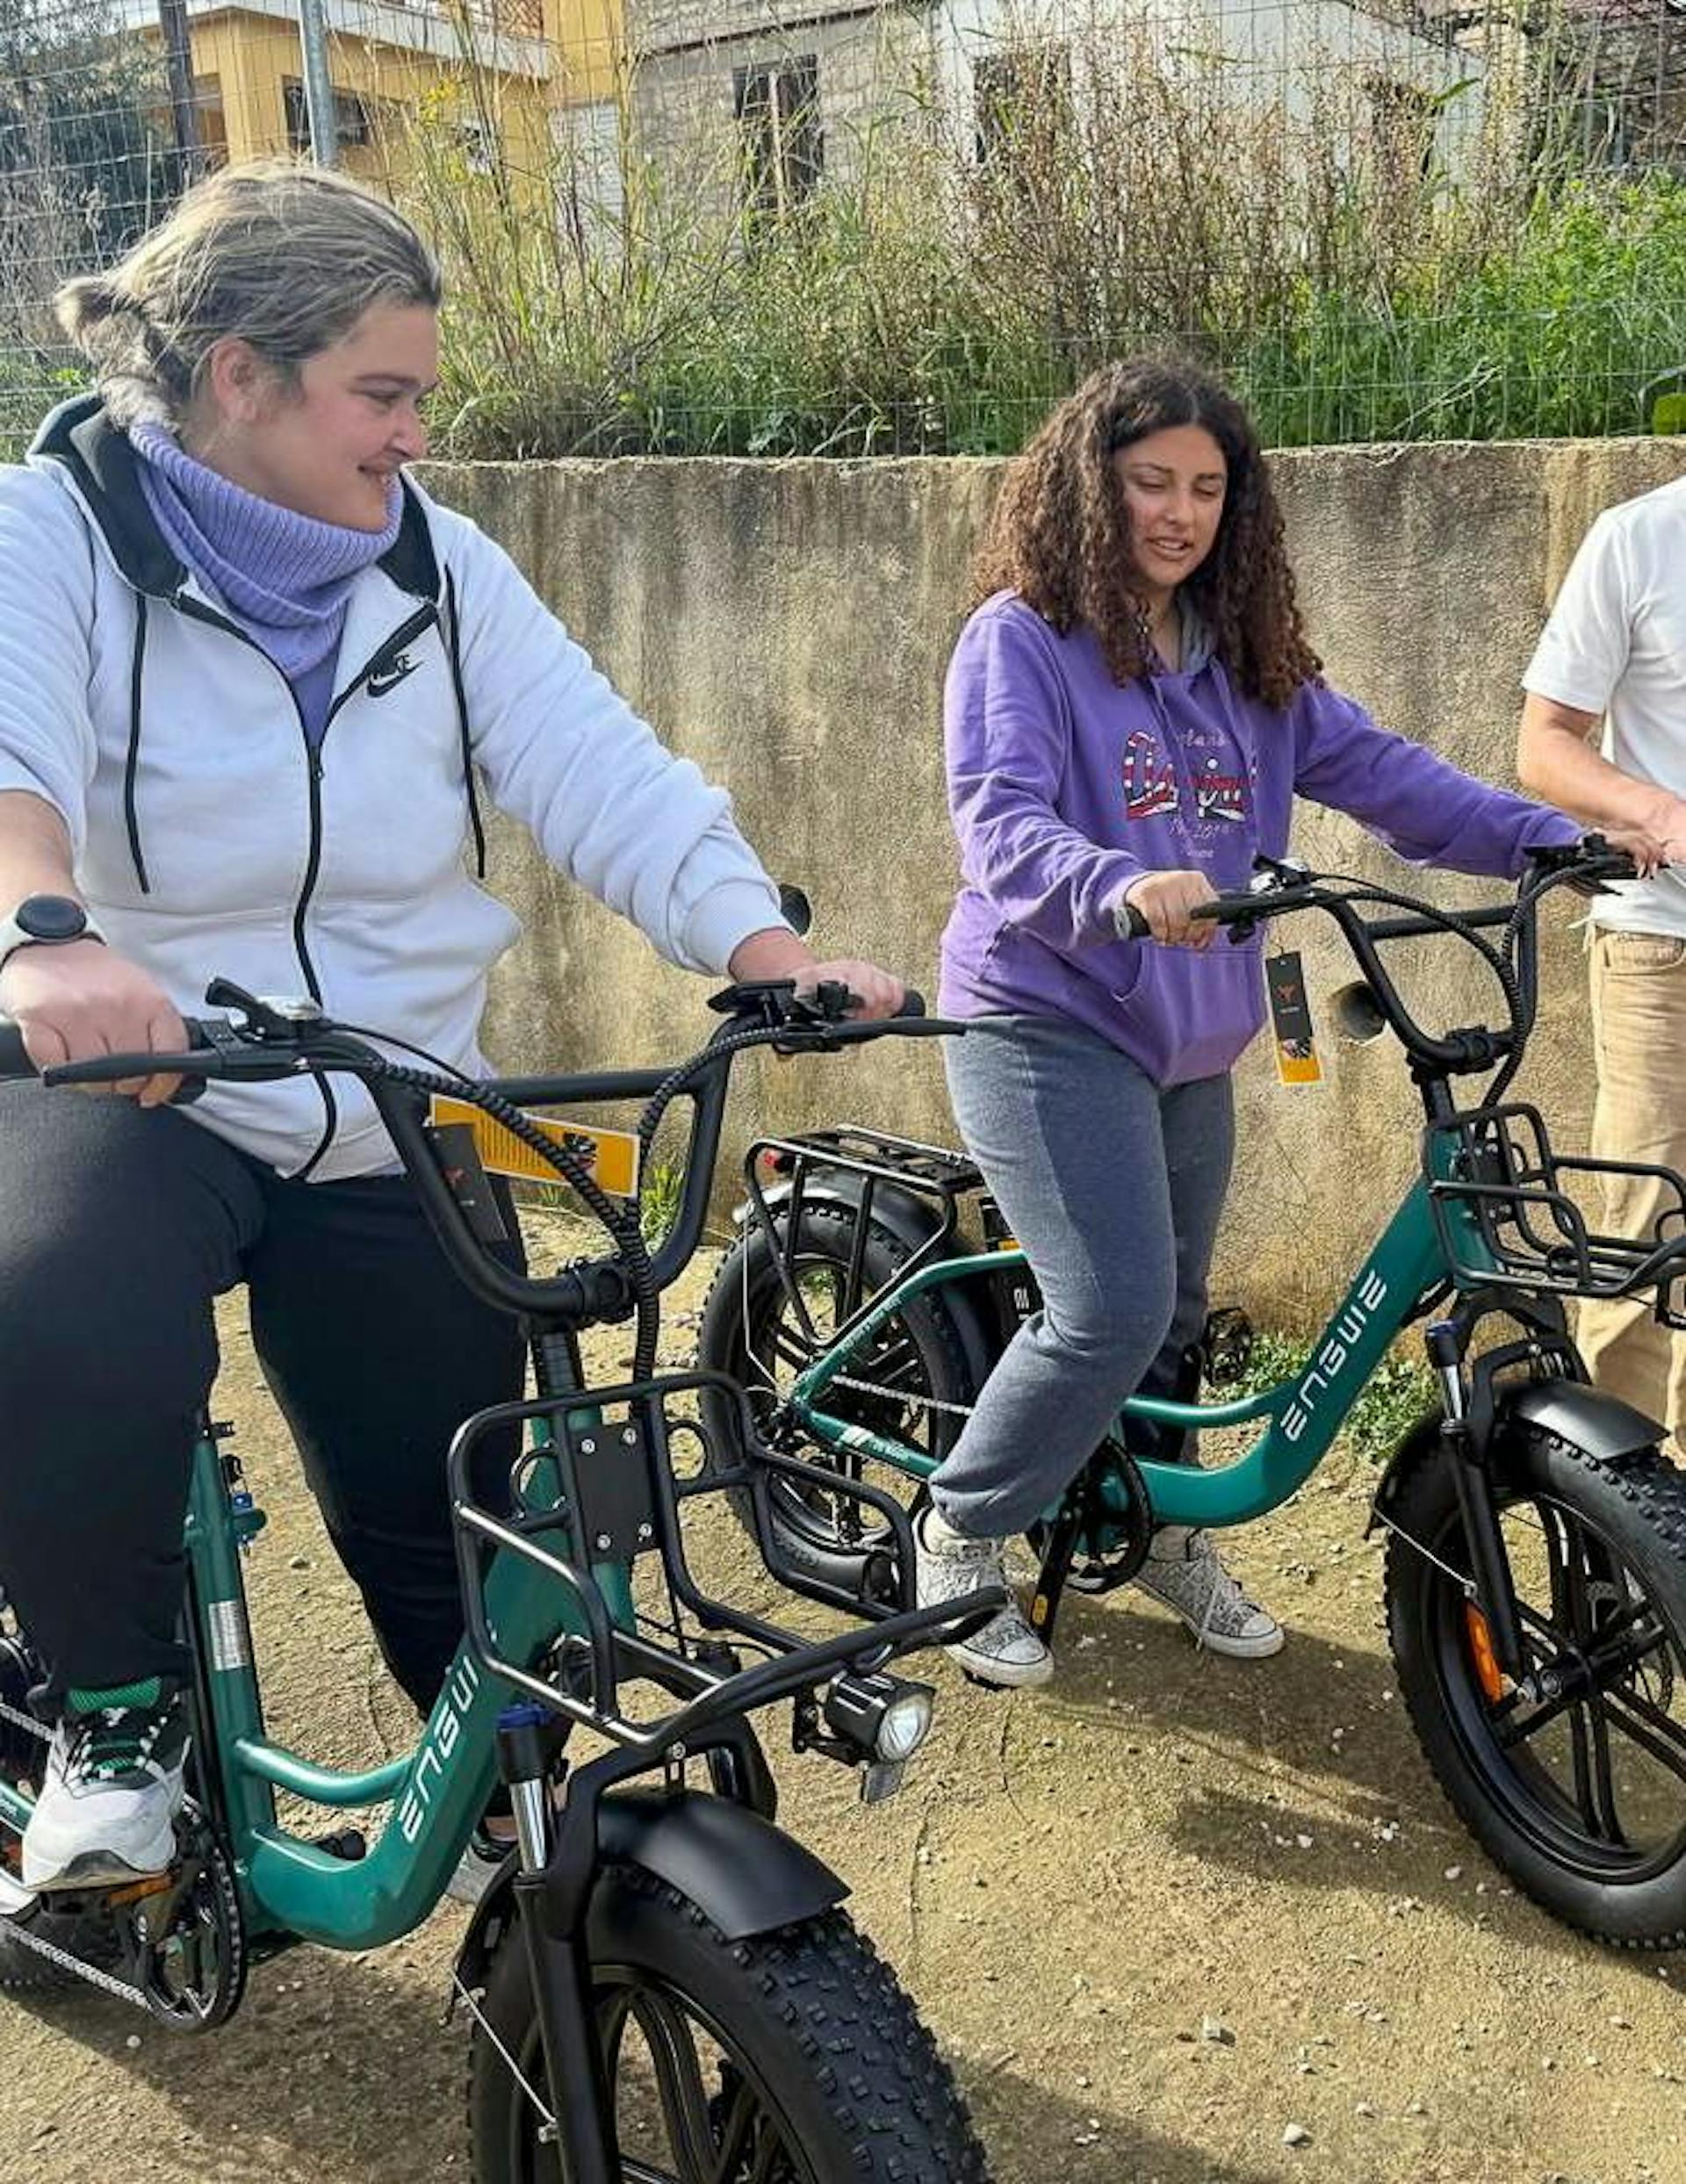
[210, 840]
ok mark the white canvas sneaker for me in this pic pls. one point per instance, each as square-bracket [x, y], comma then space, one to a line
[1184, 1570]
[1006, 1652]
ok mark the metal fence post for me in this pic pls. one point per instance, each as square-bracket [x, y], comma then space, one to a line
[179, 72]
[319, 88]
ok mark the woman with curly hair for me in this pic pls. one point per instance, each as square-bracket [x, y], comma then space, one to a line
[1130, 710]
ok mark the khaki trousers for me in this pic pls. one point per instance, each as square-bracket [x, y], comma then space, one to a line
[1639, 1023]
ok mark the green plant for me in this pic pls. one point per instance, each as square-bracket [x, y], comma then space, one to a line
[1397, 1394]
[659, 1201]
[928, 298]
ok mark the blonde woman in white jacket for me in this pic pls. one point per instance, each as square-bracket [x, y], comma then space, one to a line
[249, 674]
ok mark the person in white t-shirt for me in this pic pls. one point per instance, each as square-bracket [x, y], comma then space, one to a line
[1613, 656]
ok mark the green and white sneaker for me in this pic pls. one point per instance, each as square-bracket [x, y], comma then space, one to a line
[1183, 1570]
[113, 1786]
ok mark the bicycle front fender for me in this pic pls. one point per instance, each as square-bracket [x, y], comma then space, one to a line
[746, 1875]
[1603, 1425]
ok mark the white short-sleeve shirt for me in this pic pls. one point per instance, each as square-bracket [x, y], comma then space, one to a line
[1616, 644]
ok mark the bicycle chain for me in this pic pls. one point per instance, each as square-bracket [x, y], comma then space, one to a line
[20, 1720]
[901, 1396]
[124, 1989]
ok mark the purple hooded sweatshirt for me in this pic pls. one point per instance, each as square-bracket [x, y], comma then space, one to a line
[1065, 789]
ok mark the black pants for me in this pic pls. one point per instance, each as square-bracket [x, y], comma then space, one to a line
[116, 1230]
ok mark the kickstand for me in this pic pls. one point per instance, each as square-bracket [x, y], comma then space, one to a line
[1057, 1551]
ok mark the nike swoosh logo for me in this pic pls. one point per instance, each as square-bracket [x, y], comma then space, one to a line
[377, 686]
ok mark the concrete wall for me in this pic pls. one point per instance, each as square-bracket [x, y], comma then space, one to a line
[787, 626]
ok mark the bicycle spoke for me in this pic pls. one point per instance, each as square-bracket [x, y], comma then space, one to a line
[767, 2154]
[678, 2085]
[737, 2134]
[895, 1364]
[1565, 1561]
[790, 1349]
[1604, 1818]
[1654, 1731]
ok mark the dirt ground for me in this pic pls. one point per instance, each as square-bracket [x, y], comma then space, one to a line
[1073, 1883]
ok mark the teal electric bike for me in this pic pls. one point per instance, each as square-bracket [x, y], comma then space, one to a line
[662, 1985]
[1536, 1550]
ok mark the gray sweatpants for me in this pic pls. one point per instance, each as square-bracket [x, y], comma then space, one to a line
[1114, 1188]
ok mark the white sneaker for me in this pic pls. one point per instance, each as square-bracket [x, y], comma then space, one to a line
[1006, 1652]
[106, 1814]
[1183, 1570]
[482, 1858]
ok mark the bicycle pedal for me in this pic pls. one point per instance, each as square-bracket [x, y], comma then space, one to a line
[134, 1892]
[348, 1843]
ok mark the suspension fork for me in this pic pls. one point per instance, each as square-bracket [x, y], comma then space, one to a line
[556, 1864]
[1491, 1589]
[552, 1887]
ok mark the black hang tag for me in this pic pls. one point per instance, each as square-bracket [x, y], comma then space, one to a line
[1296, 1042]
[467, 1179]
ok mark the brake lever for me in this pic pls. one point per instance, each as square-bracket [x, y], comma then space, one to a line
[760, 1001]
[774, 1004]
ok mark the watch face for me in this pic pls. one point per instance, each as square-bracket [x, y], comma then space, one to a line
[51, 918]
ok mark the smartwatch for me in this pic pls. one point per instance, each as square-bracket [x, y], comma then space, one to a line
[45, 921]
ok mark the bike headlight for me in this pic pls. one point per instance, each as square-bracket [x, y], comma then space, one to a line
[884, 1717]
[906, 1723]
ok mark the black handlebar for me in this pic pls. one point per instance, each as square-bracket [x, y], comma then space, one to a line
[269, 1044]
[1587, 865]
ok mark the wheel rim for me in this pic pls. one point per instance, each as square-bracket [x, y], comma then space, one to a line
[689, 2107]
[780, 1348]
[1595, 1776]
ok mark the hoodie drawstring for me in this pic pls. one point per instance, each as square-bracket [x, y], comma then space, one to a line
[462, 726]
[131, 764]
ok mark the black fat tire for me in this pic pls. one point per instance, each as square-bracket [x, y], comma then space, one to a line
[1638, 1504]
[729, 1339]
[812, 2010]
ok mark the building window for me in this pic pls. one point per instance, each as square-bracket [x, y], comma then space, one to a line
[777, 103]
[353, 118]
[480, 144]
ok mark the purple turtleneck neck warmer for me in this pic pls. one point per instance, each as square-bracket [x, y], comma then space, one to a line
[286, 579]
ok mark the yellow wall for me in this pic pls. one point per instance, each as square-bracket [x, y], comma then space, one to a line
[586, 39]
[241, 63]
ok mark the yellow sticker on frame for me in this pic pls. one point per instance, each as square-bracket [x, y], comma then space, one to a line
[612, 1155]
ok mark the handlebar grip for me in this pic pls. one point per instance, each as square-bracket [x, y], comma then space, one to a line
[1224, 910]
[913, 1003]
[13, 1060]
[109, 1069]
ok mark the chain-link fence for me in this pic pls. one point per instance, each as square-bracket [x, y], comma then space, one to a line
[717, 226]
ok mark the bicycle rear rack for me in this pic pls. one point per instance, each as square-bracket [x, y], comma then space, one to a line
[874, 1161]
[604, 1488]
